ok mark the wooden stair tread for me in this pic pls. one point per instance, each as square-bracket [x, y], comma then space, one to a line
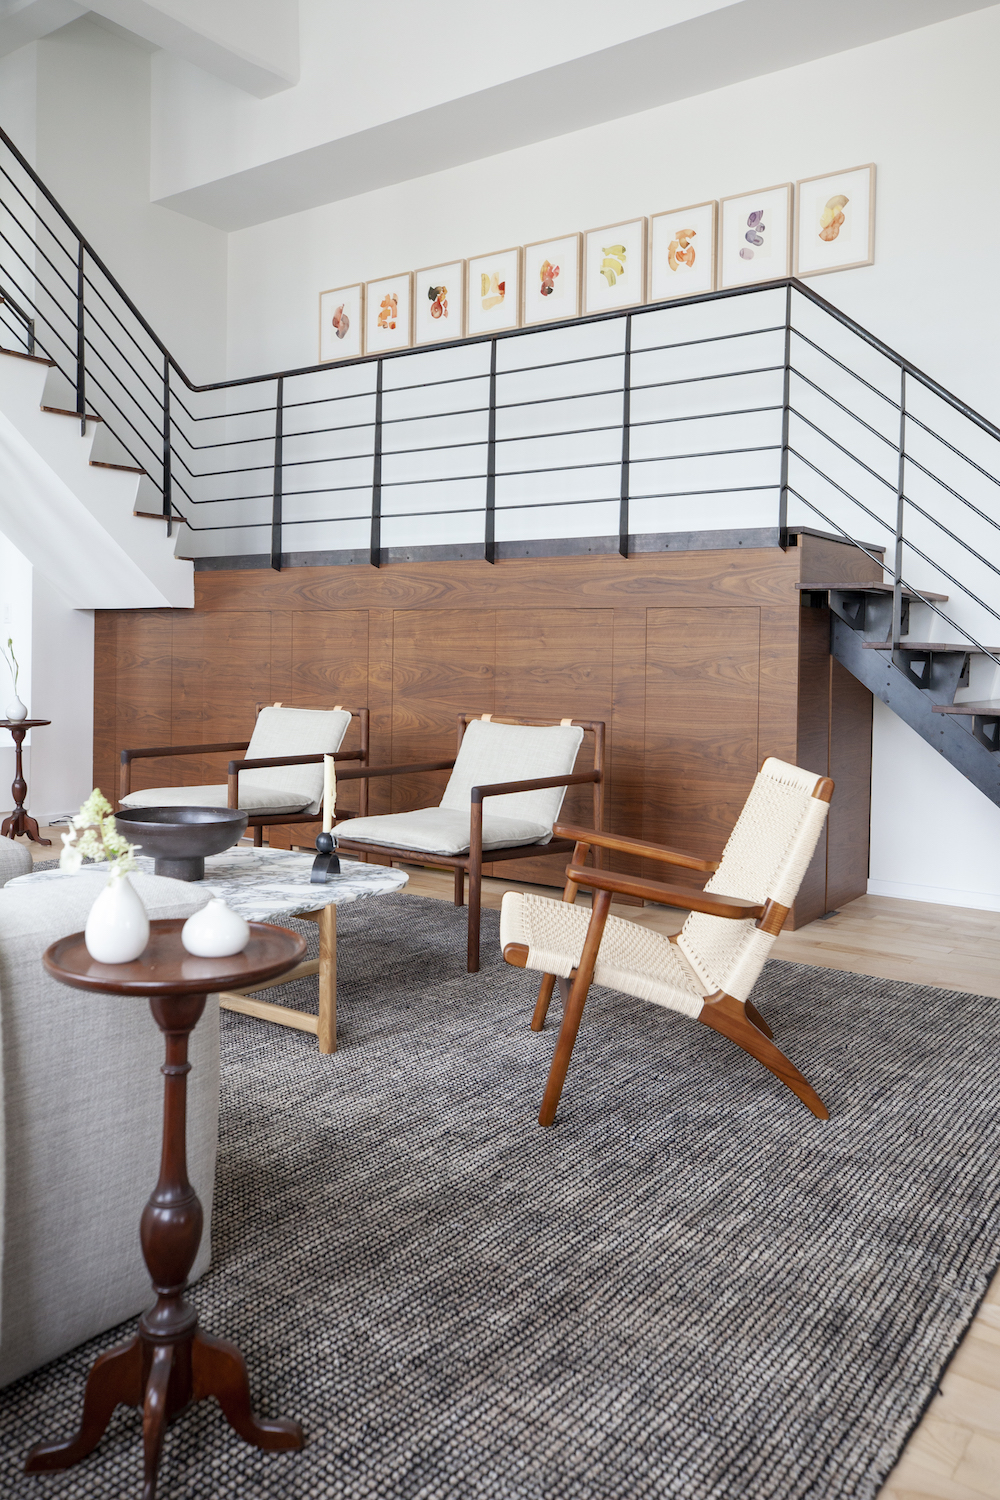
[102, 463]
[987, 708]
[79, 416]
[928, 646]
[868, 588]
[157, 515]
[38, 359]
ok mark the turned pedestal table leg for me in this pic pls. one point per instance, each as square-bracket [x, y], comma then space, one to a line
[19, 820]
[169, 1362]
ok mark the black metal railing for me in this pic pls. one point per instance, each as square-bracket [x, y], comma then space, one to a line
[757, 409]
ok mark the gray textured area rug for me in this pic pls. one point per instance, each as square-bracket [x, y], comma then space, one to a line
[688, 1287]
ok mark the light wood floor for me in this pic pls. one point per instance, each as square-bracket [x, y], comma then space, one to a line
[955, 1452]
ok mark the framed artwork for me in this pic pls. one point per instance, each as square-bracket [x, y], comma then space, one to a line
[755, 243]
[341, 314]
[614, 266]
[682, 252]
[835, 221]
[439, 303]
[388, 313]
[552, 279]
[493, 295]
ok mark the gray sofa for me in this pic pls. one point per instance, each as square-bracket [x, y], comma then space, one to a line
[81, 1100]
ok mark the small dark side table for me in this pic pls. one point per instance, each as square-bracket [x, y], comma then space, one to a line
[20, 821]
[170, 1362]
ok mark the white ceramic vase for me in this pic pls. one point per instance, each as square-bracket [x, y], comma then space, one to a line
[117, 928]
[216, 931]
[16, 711]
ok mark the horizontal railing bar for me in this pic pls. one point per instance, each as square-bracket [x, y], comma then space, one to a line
[157, 370]
[914, 505]
[938, 480]
[890, 442]
[99, 354]
[846, 368]
[889, 483]
[33, 273]
[846, 493]
[952, 449]
[932, 562]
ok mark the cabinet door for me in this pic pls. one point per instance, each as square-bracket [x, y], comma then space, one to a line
[701, 742]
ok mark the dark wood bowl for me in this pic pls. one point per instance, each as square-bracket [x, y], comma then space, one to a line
[179, 838]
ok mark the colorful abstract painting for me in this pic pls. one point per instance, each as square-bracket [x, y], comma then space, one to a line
[552, 279]
[682, 252]
[493, 295]
[389, 305]
[439, 303]
[341, 320]
[615, 266]
[755, 243]
[835, 221]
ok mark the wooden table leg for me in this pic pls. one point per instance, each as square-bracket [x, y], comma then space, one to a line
[327, 924]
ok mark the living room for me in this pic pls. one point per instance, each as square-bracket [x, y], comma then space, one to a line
[658, 545]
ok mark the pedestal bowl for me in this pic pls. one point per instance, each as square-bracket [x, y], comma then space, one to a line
[179, 838]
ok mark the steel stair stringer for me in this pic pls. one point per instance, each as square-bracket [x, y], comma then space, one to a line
[888, 682]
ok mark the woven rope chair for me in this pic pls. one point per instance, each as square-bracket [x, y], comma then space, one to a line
[708, 970]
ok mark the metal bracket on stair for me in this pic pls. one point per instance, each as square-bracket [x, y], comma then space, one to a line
[870, 614]
[941, 673]
[986, 728]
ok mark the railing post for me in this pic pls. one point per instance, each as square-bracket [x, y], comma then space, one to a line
[276, 502]
[167, 496]
[81, 348]
[490, 548]
[623, 517]
[897, 582]
[375, 553]
[786, 407]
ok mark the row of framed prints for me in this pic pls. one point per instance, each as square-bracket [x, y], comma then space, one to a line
[820, 224]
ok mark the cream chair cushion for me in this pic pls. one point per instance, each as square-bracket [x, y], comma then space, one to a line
[631, 958]
[490, 753]
[277, 789]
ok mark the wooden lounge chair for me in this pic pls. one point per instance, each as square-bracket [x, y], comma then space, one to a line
[708, 970]
[523, 766]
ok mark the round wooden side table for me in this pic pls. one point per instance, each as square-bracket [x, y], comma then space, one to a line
[170, 1362]
[19, 820]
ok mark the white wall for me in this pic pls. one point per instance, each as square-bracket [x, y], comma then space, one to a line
[922, 106]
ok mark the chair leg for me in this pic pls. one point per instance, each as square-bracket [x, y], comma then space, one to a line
[459, 887]
[258, 836]
[545, 989]
[475, 903]
[573, 1008]
[758, 1020]
[730, 1018]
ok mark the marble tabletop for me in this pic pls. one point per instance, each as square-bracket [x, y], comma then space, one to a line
[266, 884]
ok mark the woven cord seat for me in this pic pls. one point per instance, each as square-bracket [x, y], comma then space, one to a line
[708, 971]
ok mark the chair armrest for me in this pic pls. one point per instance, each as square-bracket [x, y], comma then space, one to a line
[288, 760]
[499, 788]
[733, 907]
[362, 773]
[634, 846]
[158, 750]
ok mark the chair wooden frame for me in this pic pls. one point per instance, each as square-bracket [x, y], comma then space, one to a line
[258, 821]
[738, 1020]
[472, 863]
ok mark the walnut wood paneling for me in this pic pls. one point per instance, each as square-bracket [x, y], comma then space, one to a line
[105, 772]
[701, 664]
[555, 664]
[701, 750]
[442, 665]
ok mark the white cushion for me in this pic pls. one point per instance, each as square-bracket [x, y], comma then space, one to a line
[439, 830]
[15, 859]
[293, 731]
[259, 799]
[514, 752]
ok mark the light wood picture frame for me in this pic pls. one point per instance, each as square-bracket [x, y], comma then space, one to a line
[493, 292]
[553, 279]
[614, 266]
[439, 303]
[341, 322]
[835, 221]
[755, 236]
[682, 251]
[389, 313]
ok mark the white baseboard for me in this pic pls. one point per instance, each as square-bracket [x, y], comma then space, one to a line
[936, 895]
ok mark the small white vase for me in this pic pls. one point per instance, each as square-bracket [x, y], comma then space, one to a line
[117, 928]
[16, 711]
[216, 931]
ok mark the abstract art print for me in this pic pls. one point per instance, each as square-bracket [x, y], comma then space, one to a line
[439, 303]
[682, 252]
[341, 313]
[835, 221]
[614, 272]
[552, 279]
[493, 296]
[756, 239]
[388, 312]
